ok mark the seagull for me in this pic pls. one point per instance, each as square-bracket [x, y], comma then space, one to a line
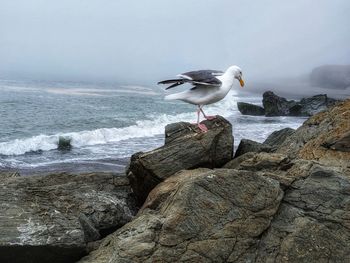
[209, 86]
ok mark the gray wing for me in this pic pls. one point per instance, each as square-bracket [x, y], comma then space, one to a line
[203, 77]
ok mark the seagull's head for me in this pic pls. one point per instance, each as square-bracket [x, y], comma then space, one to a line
[236, 72]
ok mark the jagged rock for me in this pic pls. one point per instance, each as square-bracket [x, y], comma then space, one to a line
[339, 144]
[259, 161]
[278, 137]
[196, 216]
[64, 143]
[278, 106]
[273, 165]
[311, 106]
[275, 105]
[312, 224]
[250, 109]
[185, 148]
[51, 218]
[6, 175]
[308, 140]
[228, 215]
[246, 146]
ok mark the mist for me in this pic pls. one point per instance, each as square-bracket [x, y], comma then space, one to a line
[142, 42]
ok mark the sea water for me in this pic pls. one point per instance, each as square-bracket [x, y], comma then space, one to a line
[106, 123]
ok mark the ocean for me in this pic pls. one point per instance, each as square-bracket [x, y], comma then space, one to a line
[106, 123]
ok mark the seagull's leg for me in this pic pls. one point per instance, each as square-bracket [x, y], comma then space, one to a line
[201, 126]
[206, 116]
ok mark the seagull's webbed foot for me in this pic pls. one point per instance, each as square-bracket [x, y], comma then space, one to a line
[202, 127]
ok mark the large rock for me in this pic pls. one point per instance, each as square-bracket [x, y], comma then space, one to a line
[278, 106]
[230, 215]
[278, 137]
[342, 143]
[308, 141]
[246, 146]
[185, 148]
[275, 105]
[250, 109]
[312, 224]
[197, 216]
[51, 218]
[311, 106]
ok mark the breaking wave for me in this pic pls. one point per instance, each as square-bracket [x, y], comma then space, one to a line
[142, 128]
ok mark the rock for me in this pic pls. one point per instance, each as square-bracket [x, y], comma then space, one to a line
[278, 137]
[339, 144]
[260, 162]
[53, 217]
[246, 146]
[250, 109]
[64, 144]
[275, 105]
[331, 76]
[311, 106]
[185, 148]
[197, 216]
[312, 224]
[278, 106]
[5, 175]
[308, 141]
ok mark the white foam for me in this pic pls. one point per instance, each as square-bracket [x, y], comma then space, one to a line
[142, 128]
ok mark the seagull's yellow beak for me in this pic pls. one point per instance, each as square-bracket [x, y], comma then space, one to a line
[241, 82]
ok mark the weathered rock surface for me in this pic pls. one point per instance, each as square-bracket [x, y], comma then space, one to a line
[185, 148]
[277, 106]
[292, 205]
[315, 104]
[312, 224]
[246, 146]
[339, 144]
[64, 143]
[299, 213]
[276, 138]
[308, 141]
[197, 216]
[250, 109]
[51, 218]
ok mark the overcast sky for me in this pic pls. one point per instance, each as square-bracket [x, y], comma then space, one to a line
[140, 42]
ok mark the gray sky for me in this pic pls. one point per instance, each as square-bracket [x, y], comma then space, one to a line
[140, 42]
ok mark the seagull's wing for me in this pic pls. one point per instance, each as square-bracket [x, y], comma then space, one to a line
[203, 77]
[196, 78]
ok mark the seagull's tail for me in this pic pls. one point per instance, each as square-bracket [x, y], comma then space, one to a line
[174, 82]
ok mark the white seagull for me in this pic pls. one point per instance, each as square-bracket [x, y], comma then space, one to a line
[209, 86]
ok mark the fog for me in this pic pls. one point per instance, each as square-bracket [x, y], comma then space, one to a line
[141, 42]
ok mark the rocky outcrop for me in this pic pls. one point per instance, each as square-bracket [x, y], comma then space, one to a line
[277, 106]
[292, 205]
[263, 214]
[250, 109]
[308, 141]
[185, 148]
[51, 218]
[276, 138]
[339, 144]
[64, 143]
[246, 146]
[197, 216]
[315, 104]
